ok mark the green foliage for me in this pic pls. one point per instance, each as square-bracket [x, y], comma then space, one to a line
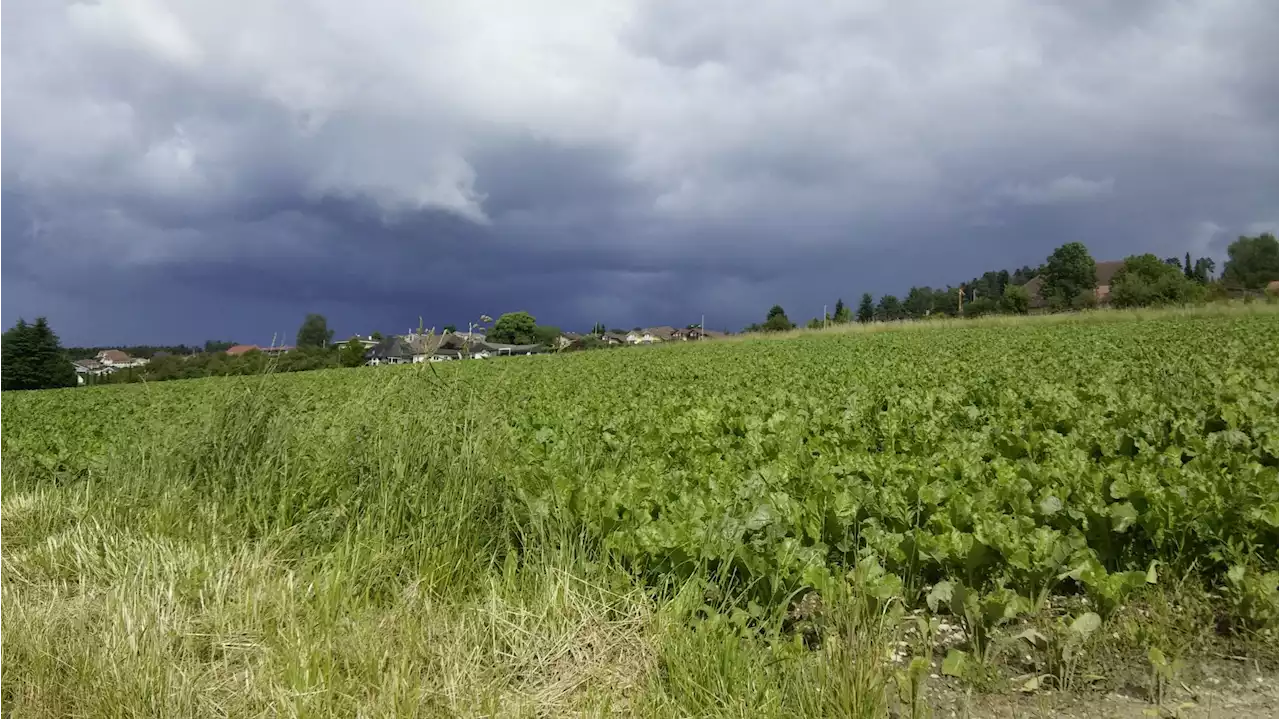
[1252, 262]
[866, 308]
[352, 353]
[842, 314]
[1146, 281]
[919, 302]
[971, 470]
[1024, 274]
[514, 328]
[1252, 597]
[220, 364]
[776, 320]
[449, 329]
[981, 306]
[1016, 300]
[1084, 300]
[32, 358]
[1068, 273]
[598, 329]
[546, 335]
[1202, 272]
[889, 309]
[314, 332]
[376, 336]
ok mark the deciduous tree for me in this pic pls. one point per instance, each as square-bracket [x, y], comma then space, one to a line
[314, 332]
[353, 353]
[1251, 262]
[776, 320]
[1068, 272]
[1145, 280]
[1016, 299]
[514, 328]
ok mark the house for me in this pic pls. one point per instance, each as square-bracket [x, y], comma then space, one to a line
[1105, 272]
[566, 340]
[503, 350]
[117, 359]
[91, 367]
[237, 350]
[697, 333]
[276, 350]
[651, 335]
[392, 350]
[612, 339]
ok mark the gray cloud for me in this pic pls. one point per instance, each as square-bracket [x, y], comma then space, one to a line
[1065, 189]
[238, 164]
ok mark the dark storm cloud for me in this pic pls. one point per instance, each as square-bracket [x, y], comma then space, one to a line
[180, 171]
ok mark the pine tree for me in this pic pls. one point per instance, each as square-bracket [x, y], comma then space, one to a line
[1187, 269]
[54, 369]
[866, 308]
[17, 371]
[33, 358]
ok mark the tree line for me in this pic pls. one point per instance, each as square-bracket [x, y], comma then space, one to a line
[31, 356]
[1068, 280]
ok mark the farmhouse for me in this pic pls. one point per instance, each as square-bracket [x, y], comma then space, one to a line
[116, 359]
[91, 367]
[651, 335]
[392, 350]
[1105, 272]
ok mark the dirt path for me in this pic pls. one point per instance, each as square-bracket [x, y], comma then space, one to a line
[1238, 698]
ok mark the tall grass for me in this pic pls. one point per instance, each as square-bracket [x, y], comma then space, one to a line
[367, 560]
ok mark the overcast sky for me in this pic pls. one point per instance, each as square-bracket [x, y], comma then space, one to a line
[176, 171]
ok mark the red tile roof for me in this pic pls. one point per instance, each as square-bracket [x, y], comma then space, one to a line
[241, 349]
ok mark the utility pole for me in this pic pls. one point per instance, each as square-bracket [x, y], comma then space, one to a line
[824, 317]
[960, 300]
[702, 328]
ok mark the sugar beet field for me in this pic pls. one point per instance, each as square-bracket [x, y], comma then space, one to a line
[829, 524]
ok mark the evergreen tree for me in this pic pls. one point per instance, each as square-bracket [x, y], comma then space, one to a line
[889, 309]
[866, 308]
[842, 313]
[55, 369]
[1187, 269]
[18, 371]
[33, 358]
